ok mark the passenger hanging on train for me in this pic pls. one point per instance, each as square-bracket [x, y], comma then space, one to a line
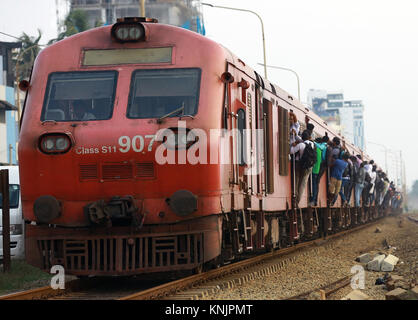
[367, 182]
[359, 160]
[388, 195]
[309, 128]
[353, 173]
[379, 185]
[305, 156]
[369, 167]
[336, 148]
[294, 128]
[345, 181]
[320, 147]
[359, 183]
[385, 190]
[324, 164]
[373, 185]
[337, 170]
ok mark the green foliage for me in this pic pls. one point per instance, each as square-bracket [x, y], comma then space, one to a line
[75, 22]
[25, 57]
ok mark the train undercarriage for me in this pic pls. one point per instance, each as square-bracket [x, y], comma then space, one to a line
[192, 245]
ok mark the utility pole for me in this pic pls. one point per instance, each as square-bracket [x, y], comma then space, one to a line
[142, 7]
[286, 69]
[262, 29]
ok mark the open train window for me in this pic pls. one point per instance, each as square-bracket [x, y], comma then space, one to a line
[284, 146]
[79, 96]
[160, 93]
[242, 139]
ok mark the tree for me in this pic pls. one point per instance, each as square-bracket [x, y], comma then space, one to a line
[414, 191]
[75, 22]
[25, 56]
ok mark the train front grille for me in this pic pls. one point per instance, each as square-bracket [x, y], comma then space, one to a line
[123, 255]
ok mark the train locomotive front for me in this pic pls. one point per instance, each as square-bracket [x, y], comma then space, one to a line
[101, 192]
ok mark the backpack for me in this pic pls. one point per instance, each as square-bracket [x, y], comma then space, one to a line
[308, 158]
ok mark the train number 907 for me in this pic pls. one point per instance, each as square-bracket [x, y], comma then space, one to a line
[137, 143]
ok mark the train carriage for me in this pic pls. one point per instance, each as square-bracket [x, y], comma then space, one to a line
[146, 148]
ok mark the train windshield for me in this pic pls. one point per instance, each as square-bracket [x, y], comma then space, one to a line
[164, 93]
[13, 196]
[79, 96]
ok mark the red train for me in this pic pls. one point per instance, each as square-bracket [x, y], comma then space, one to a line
[132, 161]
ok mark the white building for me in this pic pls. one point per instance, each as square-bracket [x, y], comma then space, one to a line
[346, 117]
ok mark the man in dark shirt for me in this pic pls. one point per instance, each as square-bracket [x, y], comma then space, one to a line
[359, 181]
[336, 177]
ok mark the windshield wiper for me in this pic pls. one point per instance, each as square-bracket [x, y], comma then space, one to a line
[171, 113]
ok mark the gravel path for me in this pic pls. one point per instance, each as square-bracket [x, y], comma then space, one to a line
[316, 267]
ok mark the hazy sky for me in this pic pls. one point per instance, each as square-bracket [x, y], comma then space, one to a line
[366, 48]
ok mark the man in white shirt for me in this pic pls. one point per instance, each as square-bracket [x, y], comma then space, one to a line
[301, 174]
[373, 183]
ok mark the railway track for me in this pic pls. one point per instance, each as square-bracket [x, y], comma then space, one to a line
[201, 285]
[192, 287]
[325, 290]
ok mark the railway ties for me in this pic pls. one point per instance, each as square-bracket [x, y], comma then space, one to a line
[198, 286]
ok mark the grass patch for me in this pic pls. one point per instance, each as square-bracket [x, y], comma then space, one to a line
[22, 276]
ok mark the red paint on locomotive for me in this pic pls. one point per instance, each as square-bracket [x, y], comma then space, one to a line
[221, 189]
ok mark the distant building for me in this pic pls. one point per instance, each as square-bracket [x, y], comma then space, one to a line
[181, 13]
[8, 112]
[346, 117]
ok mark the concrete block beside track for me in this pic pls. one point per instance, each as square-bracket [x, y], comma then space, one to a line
[389, 263]
[396, 294]
[364, 258]
[376, 263]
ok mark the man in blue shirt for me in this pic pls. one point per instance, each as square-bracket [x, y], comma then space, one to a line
[336, 177]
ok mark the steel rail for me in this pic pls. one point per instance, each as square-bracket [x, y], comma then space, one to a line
[181, 284]
[42, 293]
[188, 282]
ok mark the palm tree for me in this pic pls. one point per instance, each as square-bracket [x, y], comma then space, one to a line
[75, 22]
[25, 56]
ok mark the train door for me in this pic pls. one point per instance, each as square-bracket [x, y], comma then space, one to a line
[237, 121]
[259, 142]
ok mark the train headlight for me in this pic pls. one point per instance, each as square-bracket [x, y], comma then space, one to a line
[61, 143]
[128, 32]
[54, 143]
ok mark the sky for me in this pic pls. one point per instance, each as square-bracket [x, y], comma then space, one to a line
[366, 48]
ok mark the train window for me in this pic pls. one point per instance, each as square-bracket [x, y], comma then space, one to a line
[79, 96]
[268, 144]
[283, 141]
[241, 137]
[164, 93]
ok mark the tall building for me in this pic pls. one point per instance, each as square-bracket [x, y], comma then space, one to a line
[346, 117]
[181, 13]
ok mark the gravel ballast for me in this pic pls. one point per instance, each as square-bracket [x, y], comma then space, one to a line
[319, 266]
